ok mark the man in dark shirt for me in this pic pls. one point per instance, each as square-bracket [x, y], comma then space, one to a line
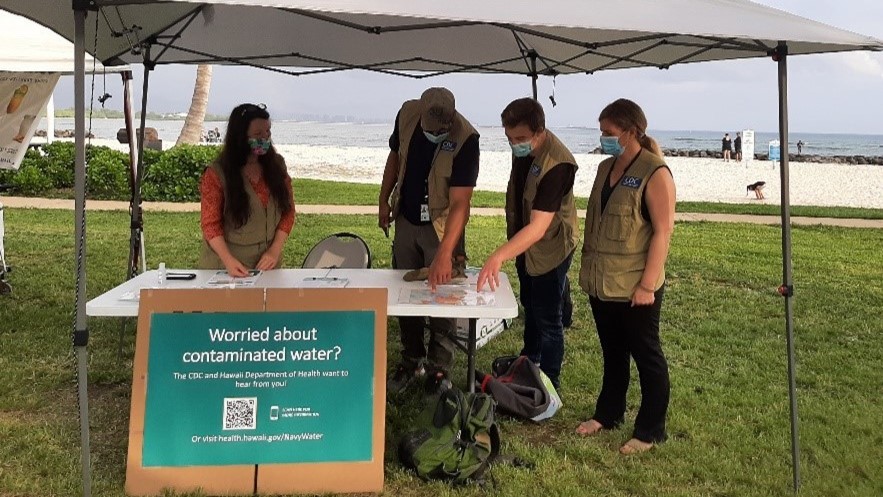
[737, 147]
[543, 232]
[427, 186]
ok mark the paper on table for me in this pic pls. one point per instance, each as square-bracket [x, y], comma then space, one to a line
[324, 282]
[445, 295]
[221, 278]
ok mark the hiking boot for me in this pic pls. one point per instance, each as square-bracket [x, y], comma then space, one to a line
[403, 376]
[437, 382]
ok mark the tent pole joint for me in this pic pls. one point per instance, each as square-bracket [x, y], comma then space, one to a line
[84, 5]
[780, 52]
[81, 337]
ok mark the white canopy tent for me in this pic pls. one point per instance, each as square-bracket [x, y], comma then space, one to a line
[392, 36]
[27, 46]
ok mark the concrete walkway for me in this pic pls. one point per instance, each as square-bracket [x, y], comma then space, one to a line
[110, 205]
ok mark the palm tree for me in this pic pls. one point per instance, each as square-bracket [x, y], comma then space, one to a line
[192, 130]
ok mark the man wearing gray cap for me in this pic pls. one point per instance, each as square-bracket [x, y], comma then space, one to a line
[427, 186]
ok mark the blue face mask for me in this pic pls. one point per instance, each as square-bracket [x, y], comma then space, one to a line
[259, 146]
[435, 138]
[521, 149]
[610, 145]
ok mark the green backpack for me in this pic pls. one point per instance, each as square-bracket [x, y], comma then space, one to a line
[457, 440]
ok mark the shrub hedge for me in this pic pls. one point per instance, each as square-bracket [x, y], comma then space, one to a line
[171, 175]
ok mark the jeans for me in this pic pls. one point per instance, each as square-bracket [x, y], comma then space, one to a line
[543, 298]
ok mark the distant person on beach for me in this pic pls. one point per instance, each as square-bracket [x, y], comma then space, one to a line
[247, 206]
[543, 231]
[726, 147]
[629, 223]
[737, 147]
[426, 190]
[800, 147]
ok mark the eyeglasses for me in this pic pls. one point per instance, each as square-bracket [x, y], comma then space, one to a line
[246, 108]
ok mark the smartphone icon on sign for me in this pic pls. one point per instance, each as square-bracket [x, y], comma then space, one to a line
[274, 413]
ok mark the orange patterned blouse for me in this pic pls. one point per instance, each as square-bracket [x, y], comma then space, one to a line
[212, 210]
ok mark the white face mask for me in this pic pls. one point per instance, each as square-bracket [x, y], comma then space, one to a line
[436, 138]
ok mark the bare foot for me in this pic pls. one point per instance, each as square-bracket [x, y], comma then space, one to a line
[635, 446]
[589, 428]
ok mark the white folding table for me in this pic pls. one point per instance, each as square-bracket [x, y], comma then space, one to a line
[121, 301]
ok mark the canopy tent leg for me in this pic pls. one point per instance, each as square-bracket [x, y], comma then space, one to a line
[787, 288]
[137, 223]
[80, 332]
[136, 227]
[50, 119]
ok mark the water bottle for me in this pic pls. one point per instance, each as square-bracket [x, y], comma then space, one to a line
[161, 275]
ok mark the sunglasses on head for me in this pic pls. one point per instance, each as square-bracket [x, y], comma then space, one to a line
[252, 108]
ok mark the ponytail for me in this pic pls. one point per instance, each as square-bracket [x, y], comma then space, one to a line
[650, 144]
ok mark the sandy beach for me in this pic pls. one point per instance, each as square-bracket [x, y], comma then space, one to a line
[706, 180]
[697, 179]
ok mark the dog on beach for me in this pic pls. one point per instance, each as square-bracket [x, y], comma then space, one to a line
[757, 188]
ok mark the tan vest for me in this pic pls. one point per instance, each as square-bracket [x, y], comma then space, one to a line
[618, 239]
[248, 242]
[442, 163]
[562, 235]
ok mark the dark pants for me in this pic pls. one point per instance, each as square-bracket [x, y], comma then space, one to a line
[632, 331]
[414, 247]
[543, 298]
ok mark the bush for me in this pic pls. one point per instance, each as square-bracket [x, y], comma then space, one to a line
[108, 174]
[30, 180]
[57, 163]
[174, 177]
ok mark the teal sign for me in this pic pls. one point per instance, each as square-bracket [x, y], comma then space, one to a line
[259, 387]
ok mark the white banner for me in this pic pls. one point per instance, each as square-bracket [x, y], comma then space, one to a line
[22, 96]
[747, 145]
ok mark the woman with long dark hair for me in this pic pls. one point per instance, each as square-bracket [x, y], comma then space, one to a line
[247, 204]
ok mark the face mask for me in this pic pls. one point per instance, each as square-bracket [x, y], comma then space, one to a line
[610, 145]
[259, 146]
[435, 138]
[521, 149]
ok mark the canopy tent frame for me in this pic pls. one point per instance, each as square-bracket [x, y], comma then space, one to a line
[702, 45]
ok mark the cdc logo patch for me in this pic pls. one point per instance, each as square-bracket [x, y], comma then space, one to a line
[535, 169]
[631, 182]
[448, 146]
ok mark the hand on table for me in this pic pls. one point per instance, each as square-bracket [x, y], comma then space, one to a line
[235, 268]
[490, 274]
[268, 260]
[440, 271]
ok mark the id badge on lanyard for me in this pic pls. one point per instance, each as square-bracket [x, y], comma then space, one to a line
[424, 207]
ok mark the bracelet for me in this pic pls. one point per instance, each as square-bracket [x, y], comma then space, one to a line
[642, 287]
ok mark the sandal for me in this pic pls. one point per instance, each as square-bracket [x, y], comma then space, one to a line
[635, 446]
[589, 428]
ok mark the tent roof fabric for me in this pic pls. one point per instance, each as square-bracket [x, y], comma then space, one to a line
[26, 46]
[490, 36]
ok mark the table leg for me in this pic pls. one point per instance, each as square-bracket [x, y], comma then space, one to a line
[470, 356]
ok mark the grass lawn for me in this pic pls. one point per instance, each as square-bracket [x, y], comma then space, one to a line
[310, 191]
[723, 332]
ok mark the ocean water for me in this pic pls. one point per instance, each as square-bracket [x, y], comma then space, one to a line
[578, 139]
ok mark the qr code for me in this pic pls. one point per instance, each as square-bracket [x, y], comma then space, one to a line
[239, 413]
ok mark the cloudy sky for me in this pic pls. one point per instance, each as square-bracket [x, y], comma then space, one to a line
[833, 93]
